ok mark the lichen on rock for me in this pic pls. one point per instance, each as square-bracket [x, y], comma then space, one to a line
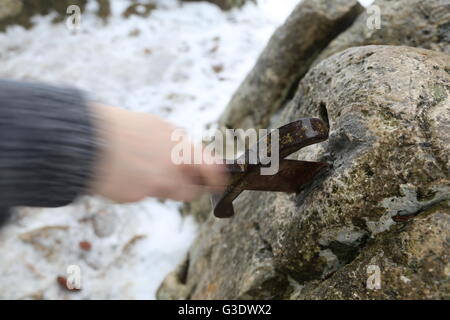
[390, 163]
[415, 23]
[412, 259]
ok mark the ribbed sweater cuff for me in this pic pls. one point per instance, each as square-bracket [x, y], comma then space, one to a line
[47, 145]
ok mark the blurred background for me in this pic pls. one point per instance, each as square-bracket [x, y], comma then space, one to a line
[179, 60]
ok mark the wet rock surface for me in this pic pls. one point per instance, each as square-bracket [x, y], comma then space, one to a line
[384, 203]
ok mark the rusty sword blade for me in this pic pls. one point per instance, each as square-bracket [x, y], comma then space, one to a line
[292, 174]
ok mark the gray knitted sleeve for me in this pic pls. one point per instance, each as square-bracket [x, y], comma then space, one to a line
[47, 145]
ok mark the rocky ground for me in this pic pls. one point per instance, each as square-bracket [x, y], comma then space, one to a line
[383, 208]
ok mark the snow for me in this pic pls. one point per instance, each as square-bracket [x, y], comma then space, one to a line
[366, 3]
[182, 63]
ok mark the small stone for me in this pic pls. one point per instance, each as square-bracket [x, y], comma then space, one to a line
[134, 33]
[105, 223]
[62, 281]
[10, 8]
[85, 245]
[218, 68]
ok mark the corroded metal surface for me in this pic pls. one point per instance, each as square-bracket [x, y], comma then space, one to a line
[292, 174]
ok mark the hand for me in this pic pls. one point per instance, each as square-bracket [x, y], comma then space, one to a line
[135, 160]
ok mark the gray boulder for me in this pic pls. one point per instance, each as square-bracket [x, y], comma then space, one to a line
[384, 203]
[415, 23]
[412, 260]
[287, 57]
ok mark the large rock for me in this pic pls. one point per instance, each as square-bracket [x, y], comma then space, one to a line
[415, 23]
[384, 203]
[412, 259]
[286, 58]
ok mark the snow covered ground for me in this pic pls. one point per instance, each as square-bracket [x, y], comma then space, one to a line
[182, 63]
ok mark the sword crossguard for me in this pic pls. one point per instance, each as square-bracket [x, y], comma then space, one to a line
[292, 174]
